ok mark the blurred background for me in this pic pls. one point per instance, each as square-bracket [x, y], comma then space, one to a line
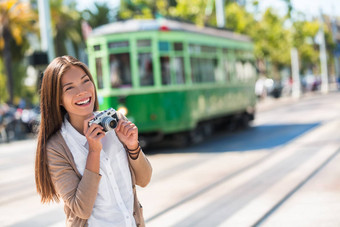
[236, 102]
[30, 38]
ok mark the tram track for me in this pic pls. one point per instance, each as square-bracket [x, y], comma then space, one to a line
[287, 196]
[296, 143]
[213, 185]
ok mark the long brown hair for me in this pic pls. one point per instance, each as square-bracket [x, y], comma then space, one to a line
[52, 116]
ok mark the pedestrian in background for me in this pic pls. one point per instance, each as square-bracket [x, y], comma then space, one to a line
[93, 172]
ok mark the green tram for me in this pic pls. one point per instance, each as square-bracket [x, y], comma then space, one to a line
[172, 78]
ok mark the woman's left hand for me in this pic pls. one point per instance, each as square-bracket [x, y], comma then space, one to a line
[127, 133]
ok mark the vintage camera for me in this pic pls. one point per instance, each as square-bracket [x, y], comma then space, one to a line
[108, 119]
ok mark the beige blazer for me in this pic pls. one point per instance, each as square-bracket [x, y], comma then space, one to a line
[79, 192]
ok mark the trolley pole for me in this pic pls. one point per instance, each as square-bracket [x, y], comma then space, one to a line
[45, 28]
[323, 58]
[296, 91]
[220, 17]
[336, 52]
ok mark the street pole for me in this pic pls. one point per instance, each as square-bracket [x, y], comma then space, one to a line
[45, 29]
[323, 58]
[296, 91]
[220, 17]
[336, 52]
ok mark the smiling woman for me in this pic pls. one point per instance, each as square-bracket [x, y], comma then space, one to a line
[94, 172]
[77, 96]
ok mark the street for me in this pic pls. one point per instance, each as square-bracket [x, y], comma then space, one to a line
[282, 171]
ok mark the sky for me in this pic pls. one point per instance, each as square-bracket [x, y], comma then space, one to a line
[309, 7]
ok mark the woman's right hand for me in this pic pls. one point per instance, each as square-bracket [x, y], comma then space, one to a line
[93, 134]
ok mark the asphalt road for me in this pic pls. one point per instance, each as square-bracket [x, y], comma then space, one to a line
[282, 171]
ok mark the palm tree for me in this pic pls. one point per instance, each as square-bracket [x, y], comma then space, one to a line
[66, 27]
[16, 20]
[102, 14]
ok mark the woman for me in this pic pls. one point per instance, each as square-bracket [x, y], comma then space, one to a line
[93, 172]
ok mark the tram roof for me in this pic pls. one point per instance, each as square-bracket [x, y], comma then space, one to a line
[135, 25]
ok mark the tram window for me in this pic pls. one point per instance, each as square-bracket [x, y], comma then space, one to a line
[179, 70]
[196, 75]
[96, 47]
[217, 71]
[203, 70]
[164, 46]
[227, 69]
[99, 69]
[178, 46]
[248, 54]
[145, 69]
[239, 70]
[165, 70]
[194, 49]
[250, 71]
[144, 43]
[208, 49]
[121, 44]
[208, 69]
[220, 76]
[120, 73]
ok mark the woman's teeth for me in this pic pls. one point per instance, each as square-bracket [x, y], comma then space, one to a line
[83, 102]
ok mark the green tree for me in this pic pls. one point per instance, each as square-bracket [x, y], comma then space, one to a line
[273, 35]
[138, 9]
[101, 14]
[239, 20]
[3, 89]
[16, 20]
[194, 11]
[302, 38]
[66, 26]
[149, 9]
[272, 41]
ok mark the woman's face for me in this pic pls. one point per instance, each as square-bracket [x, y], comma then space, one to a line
[78, 93]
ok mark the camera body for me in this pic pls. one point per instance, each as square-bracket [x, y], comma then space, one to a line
[108, 119]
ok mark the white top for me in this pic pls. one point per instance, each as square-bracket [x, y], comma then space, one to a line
[114, 202]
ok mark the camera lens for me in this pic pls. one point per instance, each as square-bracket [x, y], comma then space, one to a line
[113, 123]
[109, 123]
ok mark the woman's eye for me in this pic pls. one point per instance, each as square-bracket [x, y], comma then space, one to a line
[87, 80]
[69, 88]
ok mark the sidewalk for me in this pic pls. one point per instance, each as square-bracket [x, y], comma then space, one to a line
[270, 102]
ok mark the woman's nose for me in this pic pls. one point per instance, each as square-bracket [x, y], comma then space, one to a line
[81, 90]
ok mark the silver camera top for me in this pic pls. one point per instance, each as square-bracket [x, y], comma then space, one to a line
[108, 119]
[109, 112]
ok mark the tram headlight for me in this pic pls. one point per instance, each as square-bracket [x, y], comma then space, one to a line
[123, 110]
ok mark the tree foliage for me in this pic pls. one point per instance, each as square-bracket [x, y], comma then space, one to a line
[66, 25]
[3, 80]
[138, 9]
[17, 19]
[302, 38]
[270, 37]
[195, 11]
[100, 15]
[273, 35]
